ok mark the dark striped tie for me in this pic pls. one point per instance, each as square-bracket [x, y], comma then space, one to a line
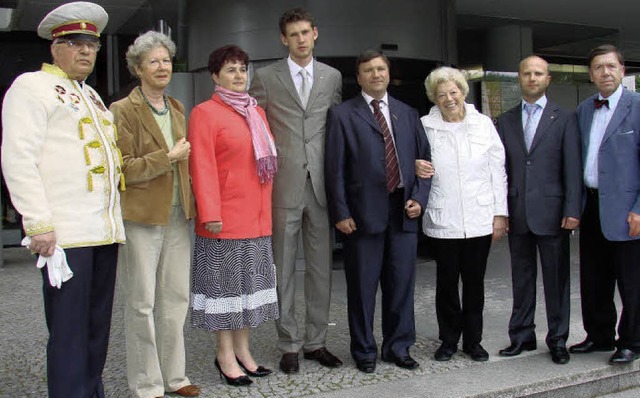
[391, 161]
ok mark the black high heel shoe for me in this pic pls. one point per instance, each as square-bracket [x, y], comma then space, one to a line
[260, 371]
[239, 381]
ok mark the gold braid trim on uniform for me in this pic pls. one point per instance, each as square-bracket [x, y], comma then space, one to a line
[54, 70]
[95, 170]
[37, 228]
[123, 187]
[81, 123]
[115, 131]
[93, 145]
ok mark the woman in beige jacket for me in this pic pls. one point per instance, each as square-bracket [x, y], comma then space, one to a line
[156, 208]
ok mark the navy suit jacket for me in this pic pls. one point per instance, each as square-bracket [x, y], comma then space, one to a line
[355, 176]
[545, 183]
[618, 163]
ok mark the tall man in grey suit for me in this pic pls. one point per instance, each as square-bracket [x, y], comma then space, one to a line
[542, 146]
[610, 232]
[296, 93]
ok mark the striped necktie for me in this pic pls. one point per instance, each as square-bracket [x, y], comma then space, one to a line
[391, 161]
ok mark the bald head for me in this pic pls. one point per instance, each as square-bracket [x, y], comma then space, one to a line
[534, 78]
[534, 59]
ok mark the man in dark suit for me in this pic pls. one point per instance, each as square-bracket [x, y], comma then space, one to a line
[295, 93]
[542, 146]
[375, 199]
[610, 232]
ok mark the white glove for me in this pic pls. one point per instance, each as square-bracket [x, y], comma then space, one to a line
[57, 265]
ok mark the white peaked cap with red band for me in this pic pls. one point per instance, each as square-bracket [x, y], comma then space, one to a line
[79, 17]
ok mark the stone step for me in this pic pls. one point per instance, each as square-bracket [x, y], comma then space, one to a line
[529, 375]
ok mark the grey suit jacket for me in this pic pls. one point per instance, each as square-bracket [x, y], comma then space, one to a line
[618, 163]
[299, 133]
[545, 183]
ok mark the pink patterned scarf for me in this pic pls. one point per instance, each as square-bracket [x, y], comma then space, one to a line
[263, 147]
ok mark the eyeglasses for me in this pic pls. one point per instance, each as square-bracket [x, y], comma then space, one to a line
[77, 45]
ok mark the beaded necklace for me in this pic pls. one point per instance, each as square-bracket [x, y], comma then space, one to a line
[153, 109]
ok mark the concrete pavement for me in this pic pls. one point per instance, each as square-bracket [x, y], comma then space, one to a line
[23, 337]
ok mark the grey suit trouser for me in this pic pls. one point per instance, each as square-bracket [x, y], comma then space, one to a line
[312, 219]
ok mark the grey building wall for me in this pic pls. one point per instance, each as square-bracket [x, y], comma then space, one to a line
[419, 28]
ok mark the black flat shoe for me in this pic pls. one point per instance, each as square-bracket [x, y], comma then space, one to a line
[323, 356]
[588, 346]
[405, 362]
[476, 352]
[366, 366]
[559, 355]
[289, 362]
[239, 381]
[623, 356]
[445, 352]
[260, 371]
[517, 348]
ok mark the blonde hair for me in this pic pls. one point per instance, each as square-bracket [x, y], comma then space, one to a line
[445, 74]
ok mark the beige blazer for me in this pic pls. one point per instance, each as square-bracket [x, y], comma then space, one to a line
[147, 170]
[299, 133]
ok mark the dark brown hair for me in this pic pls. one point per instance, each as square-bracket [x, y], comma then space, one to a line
[368, 55]
[225, 54]
[605, 49]
[294, 15]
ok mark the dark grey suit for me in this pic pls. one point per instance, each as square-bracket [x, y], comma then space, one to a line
[545, 185]
[299, 199]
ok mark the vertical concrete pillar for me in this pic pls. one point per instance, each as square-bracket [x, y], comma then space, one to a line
[449, 32]
[505, 46]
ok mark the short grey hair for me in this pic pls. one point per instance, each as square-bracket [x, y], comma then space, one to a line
[445, 74]
[145, 43]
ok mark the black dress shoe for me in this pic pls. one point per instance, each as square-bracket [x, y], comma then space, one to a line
[366, 366]
[517, 348]
[289, 363]
[588, 346]
[623, 356]
[260, 371]
[325, 358]
[559, 355]
[403, 362]
[476, 352]
[445, 352]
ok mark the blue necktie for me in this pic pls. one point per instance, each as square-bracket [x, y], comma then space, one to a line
[529, 127]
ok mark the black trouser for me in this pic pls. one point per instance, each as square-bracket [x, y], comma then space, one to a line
[457, 259]
[387, 259]
[554, 261]
[79, 319]
[603, 263]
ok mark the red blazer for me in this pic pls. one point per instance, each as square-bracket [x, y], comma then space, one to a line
[224, 175]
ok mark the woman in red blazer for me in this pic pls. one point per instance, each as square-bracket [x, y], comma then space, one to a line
[233, 161]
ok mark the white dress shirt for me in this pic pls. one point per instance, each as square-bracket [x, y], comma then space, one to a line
[601, 118]
[294, 69]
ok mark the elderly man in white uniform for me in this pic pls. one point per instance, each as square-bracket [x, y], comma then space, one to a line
[63, 170]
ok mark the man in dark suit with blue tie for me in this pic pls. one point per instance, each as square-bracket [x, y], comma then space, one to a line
[610, 232]
[544, 172]
[375, 199]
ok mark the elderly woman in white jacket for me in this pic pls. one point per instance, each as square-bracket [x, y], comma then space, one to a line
[467, 207]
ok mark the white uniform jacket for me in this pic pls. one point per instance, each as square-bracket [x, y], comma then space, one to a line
[60, 160]
[469, 187]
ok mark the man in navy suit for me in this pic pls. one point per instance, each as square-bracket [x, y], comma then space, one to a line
[375, 199]
[544, 172]
[610, 232]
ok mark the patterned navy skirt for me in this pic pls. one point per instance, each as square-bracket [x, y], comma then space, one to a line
[233, 283]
